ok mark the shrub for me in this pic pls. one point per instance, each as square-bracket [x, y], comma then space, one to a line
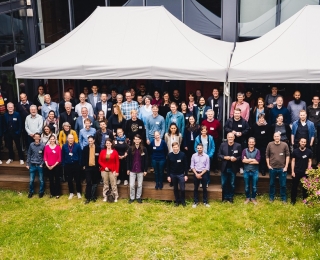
[312, 185]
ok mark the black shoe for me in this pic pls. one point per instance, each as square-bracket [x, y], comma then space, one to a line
[30, 195]
[40, 195]
[224, 201]
[156, 187]
[171, 184]
[139, 200]
[293, 203]
[231, 200]
[176, 204]
[87, 201]
[183, 204]
[263, 173]
[130, 201]
[93, 199]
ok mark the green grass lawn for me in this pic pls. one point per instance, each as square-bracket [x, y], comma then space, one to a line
[61, 229]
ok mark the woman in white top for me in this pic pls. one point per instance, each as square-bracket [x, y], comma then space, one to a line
[172, 136]
[145, 111]
[46, 134]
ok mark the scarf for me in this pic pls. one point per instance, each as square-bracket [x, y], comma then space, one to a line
[190, 107]
[121, 139]
[66, 132]
[264, 123]
[193, 128]
[53, 121]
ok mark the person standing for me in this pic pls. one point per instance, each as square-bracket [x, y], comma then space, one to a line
[116, 120]
[134, 126]
[158, 158]
[230, 154]
[12, 132]
[109, 167]
[48, 106]
[121, 146]
[68, 116]
[177, 170]
[137, 166]
[90, 158]
[173, 136]
[215, 102]
[242, 105]
[191, 133]
[302, 128]
[251, 158]
[279, 109]
[86, 132]
[295, 106]
[270, 100]
[313, 112]
[52, 159]
[128, 106]
[102, 134]
[39, 99]
[200, 165]
[35, 164]
[63, 134]
[84, 104]
[33, 124]
[301, 161]
[104, 106]
[62, 104]
[146, 110]
[80, 120]
[94, 97]
[71, 161]
[174, 116]
[278, 157]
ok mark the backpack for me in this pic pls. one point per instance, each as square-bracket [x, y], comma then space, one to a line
[110, 195]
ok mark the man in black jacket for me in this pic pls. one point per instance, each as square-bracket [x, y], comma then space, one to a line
[39, 98]
[103, 105]
[68, 116]
[215, 102]
[66, 98]
[230, 154]
[135, 126]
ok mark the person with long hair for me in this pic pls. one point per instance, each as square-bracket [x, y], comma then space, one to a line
[109, 167]
[164, 108]
[137, 166]
[174, 116]
[191, 133]
[52, 159]
[172, 136]
[192, 103]
[281, 127]
[256, 111]
[157, 100]
[121, 146]
[200, 111]
[261, 133]
[100, 117]
[116, 120]
[52, 122]
[158, 158]
[46, 134]
[186, 113]
[146, 110]
[63, 135]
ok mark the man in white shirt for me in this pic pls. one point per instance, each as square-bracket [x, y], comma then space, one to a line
[82, 104]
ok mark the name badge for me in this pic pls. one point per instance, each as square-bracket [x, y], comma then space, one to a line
[274, 103]
[194, 105]
[40, 151]
[317, 113]
[107, 136]
[154, 147]
[140, 127]
[178, 160]
[211, 128]
[304, 156]
[54, 125]
[96, 154]
[280, 153]
[70, 154]
[235, 151]
[109, 109]
[14, 119]
[187, 118]
[239, 125]
[263, 132]
[53, 151]
[5, 99]
[216, 105]
[49, 107]
[173, 120]
[157, 123]
[72, 107]
[88, 136]
[142, 154]
[115, 142]
[74, 118]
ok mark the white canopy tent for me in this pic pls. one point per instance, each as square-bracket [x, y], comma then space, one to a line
[131, 43]
[288, 54]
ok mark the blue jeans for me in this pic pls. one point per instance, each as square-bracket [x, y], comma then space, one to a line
[196, 183]
[274, 173]
[178, 180]
[247, 175]
[158, 167]
[33, 169]
[227, 182]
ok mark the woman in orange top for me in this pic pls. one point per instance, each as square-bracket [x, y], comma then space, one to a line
[109, 167]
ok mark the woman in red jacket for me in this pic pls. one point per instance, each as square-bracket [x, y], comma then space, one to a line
[109, 167]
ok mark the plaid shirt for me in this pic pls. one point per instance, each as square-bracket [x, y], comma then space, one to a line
[127, 107]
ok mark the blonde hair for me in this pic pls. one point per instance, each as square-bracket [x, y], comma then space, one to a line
[120, 115]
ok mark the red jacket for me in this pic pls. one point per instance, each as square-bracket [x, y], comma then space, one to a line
[112, 163]
[214, 128]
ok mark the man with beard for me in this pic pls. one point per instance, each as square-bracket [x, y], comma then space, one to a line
[301, 161]
[270, 100]
[176, 97]
[302, 128]
[295, 106]
[215, 102]
[135, 126]
[313, 112]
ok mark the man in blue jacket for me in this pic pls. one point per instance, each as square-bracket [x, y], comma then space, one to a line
[174, 116]
[279, 109]
[302, 128]
[12, 131]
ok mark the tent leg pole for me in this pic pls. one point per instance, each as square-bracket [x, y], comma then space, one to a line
[62, 86]
[223, 109]
[18, 90]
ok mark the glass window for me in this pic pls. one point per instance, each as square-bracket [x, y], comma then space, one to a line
[290, 7]
[21, 35]
[6, 36]
[257, 17]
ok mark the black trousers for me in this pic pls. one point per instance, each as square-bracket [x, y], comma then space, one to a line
[10, 138]
[92, 178]
[54, 180]
[73, 173]
[123, 170]
[295, 184]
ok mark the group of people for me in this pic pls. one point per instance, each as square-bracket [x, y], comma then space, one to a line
[102, 136]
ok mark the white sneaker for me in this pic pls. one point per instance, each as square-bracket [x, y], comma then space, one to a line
[207, 205]
[194, 205]
[118, 182]
[104, 199]
[116, 200]
[0, 162]
[241, 170]
[200, 185]
[70, 196]
[79, 195]
[9, 161]
[21, 162]
[126, 183]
